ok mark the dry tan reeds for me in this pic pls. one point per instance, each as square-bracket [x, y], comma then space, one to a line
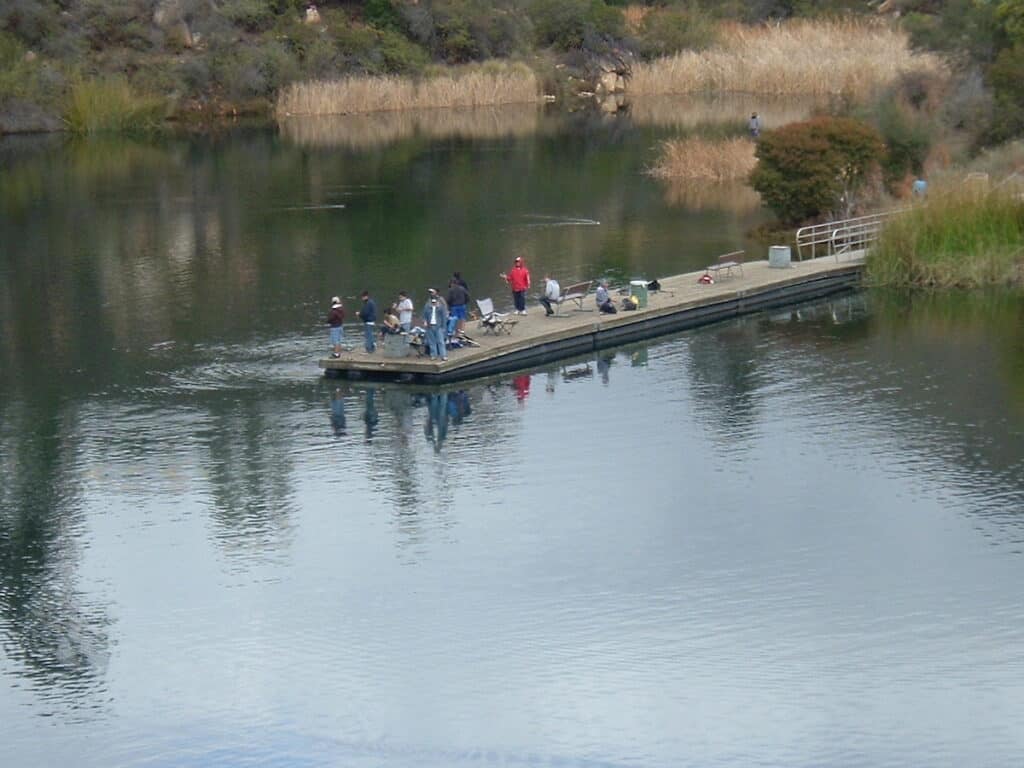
[512, 84]
[850, 58]
[380, 128]
[697, 158]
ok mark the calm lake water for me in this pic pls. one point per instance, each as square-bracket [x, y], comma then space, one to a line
[796, 539]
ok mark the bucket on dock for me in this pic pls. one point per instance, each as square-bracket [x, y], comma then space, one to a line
[638, 288]
[779, 256]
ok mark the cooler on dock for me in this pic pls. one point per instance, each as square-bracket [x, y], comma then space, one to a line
[638, 288]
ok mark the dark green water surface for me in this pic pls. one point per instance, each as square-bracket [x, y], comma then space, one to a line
[794, 539]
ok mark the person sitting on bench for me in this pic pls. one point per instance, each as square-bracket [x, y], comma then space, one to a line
[552, 291]
[604, 301]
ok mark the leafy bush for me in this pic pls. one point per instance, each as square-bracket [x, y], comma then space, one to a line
[815, 167]
[33, 21]
[959, 27]
[1007, 79]
[113, 23]
[251, 15]
[664, 33]
[908, 136]
[568, 24]
[400, 55]
[255, 71]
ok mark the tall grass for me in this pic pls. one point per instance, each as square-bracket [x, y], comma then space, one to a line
[97, 106]
[703, 159]
[963, 237]
[475, 87]
[844, 57]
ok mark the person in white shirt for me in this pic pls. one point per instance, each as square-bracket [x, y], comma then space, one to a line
[404, 311]
[552, 290]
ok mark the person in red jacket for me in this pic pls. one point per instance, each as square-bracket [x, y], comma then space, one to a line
[519, 281]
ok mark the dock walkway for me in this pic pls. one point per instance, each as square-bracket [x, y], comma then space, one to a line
[681, 303]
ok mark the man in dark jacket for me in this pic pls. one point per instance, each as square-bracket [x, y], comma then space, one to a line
[336, 319]
[458, 297]
[368, 314]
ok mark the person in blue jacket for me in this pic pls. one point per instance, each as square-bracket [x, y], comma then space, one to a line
[435, 320]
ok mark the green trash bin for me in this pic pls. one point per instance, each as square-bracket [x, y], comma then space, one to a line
[638, 288]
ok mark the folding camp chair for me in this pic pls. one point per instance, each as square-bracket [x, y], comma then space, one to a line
[491, 321]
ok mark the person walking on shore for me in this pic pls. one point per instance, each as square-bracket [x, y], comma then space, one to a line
[754, 125]
[336, 320]
[519, 281]
[368, 314]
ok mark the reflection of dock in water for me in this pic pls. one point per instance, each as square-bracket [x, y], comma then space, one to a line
[681, 303]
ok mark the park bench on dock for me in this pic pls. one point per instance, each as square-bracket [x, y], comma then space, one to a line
[576, 293]
[728, 262]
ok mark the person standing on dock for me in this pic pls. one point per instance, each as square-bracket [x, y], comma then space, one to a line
[458, 298]
[336, 320]
[368, 314]
[519, 281]
[435, 318]
[404, 311]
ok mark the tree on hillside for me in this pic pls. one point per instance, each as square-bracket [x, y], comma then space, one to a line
[816, 167]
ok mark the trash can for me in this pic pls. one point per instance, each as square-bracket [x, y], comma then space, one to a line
[395, 345]
[638, 288]
[779, 256]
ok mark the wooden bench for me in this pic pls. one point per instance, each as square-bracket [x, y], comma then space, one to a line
[576, 292]
[728, 262]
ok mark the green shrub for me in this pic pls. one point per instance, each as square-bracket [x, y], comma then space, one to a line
[382, 14]
[816, 167]
[569, 24]
[111, 105]
[32, 21]
[962, 27]
[664, 33]
[255, 71]
[1007, 79]
[908, 135]
[117, 23]
[400, 55]
[251, 15]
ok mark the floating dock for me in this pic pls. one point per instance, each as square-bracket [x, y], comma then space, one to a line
[683, 302]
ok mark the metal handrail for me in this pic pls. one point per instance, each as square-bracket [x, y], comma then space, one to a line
[837, 237]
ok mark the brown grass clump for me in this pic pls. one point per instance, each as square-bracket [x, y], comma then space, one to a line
[485, 86]
[850, 58]
[705, 159]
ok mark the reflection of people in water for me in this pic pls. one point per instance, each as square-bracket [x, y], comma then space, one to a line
[521, 384]
[458, 406]
[338, 412]
[435, 429]
[604, 362]
[370, 415]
